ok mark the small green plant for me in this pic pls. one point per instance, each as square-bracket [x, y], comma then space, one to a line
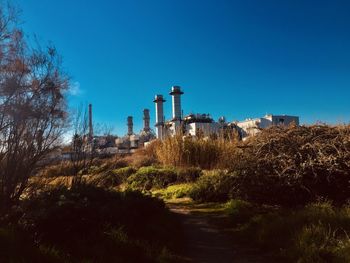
[240, 211]
[174, 191]
[150, 177]
[213, 186]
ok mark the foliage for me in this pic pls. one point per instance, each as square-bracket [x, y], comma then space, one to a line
[192, 152]
[91, 224]
[111, 178]
[150, 177]
[32, 106]
[240, 211]
[214, 185]
[287, 166]
[62, 169]
[315, 233]
[174, 191]
[188, 174]
[295, 165]
[145, 156]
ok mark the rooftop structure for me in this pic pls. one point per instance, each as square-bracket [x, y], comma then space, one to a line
[251, 127]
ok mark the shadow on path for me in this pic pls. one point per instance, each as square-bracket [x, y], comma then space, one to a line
[205, 241]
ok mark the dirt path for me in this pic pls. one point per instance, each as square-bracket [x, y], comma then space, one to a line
[206, 242]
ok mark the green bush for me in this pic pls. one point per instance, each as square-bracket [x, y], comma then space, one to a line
[91, 224]
[150, 177]
[188, 175]
[174, 191]
[213, 186]
[240, 211]
[316, 233]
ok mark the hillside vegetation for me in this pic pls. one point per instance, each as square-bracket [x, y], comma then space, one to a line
[286, 192]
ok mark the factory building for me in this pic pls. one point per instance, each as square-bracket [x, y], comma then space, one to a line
[131, 141]
[190, 125]
[204, 125]
[196, 125]
[112, 144]
[251, 127]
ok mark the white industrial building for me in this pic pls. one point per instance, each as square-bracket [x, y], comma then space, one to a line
[190, 125]
[195, 124]
[133, 141]
[251, 127]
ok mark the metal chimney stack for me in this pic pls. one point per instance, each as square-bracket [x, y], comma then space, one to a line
[176, 100]
[158, 100]
[130, 126]
[146, 120]
[91, 131]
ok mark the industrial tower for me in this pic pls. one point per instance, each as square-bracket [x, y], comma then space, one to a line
[158, 100]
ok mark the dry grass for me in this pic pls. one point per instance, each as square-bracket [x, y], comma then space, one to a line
[194, 152]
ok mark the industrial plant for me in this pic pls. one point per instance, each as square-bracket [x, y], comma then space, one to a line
[204, 125]
[194, 125]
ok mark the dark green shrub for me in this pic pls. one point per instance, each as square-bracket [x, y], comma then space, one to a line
[214, 186]
[150, 177]
[89, 223]
[270, 189]
[174, 191]
[240, 211]
[18, 246]
[188, 175]
[315, 233]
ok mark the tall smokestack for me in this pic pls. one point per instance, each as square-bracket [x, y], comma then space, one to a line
[91, 131]
[158, 100]
[146, 120]
[176, 94]
[130, 126]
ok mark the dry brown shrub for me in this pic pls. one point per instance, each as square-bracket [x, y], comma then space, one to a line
[296, 164]
[205, 153]
[145, 156]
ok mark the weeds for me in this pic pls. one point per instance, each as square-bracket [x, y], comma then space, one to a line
[315, 233]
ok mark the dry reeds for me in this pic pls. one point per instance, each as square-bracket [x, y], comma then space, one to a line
[185, 151]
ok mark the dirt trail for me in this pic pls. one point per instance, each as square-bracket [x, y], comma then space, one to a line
[206, 242]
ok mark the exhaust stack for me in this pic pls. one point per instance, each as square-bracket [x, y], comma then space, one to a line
[146, 120]
[158, 100]
[176, 101]
[130, 126]
[91, 131]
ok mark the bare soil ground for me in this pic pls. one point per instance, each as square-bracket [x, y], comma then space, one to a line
[207, 238]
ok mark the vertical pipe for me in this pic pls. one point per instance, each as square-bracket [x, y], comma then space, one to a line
[91, 132]
[159, 116]
[176, 102]
[146, 120]
[130, 126]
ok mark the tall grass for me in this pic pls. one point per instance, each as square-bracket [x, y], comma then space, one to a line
[280, 165]
[194, 152]
[317, 233]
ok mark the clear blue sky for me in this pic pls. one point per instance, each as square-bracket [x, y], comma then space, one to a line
[234, 58]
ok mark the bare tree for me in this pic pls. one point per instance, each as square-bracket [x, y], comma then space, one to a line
[32, 107]
[82, 144]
